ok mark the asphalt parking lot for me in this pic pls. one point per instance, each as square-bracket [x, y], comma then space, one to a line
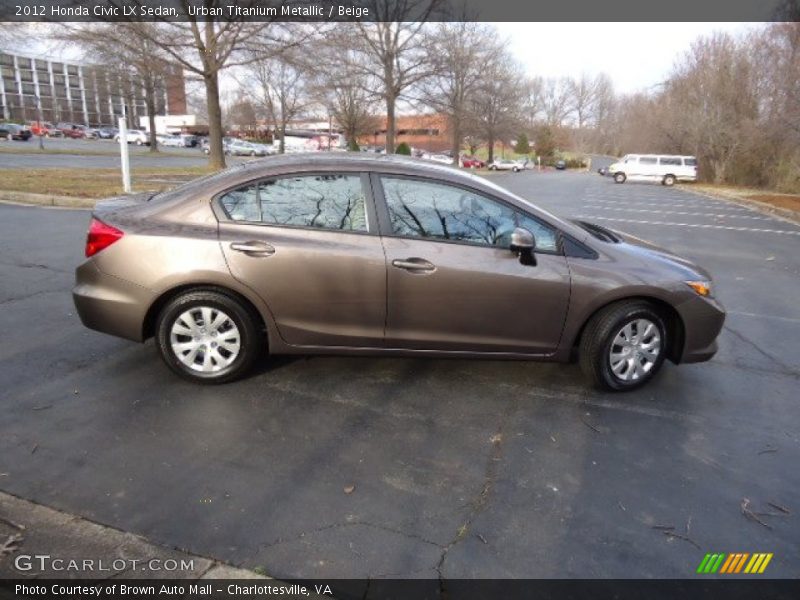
[387, 467]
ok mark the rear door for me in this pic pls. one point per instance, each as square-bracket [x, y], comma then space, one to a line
[453, 283]
[308, 245]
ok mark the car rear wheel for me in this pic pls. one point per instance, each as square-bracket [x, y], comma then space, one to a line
[623, 346]
[669, 180]
[208, 337]
[619, 177]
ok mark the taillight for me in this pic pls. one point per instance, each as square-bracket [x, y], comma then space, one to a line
[100, 236]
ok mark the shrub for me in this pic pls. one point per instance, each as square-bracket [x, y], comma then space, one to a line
[403, 148]
[352, 145]
[522, 146]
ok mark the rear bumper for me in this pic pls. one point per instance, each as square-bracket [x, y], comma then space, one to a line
[109, 304]
[703, 319]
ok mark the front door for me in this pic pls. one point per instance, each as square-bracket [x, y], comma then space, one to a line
[305, 244]
[453, 284]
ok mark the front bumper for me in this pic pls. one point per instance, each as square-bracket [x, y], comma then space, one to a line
[703, 319]
[109, 304]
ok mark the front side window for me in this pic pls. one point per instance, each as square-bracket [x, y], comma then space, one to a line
[325, 201]
[631, 159]
[443, 212]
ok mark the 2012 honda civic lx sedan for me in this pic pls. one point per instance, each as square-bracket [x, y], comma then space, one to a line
[343, 254]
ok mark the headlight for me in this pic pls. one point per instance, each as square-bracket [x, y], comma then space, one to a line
[703, 288]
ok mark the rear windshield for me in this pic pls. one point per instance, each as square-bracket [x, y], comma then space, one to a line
[194, 184]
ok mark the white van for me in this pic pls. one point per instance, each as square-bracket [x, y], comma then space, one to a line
[666, 168]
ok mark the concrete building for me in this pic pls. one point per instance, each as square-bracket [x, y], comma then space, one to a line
[79, 92]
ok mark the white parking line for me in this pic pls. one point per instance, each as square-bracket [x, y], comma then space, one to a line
[687, 213]
[696, 205]
[695, 225]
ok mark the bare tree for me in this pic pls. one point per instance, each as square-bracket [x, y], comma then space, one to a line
[208, 44]
[497, 106]
[280, 86]
[350, 100]
[461, 54]
[555, 98]
[391, 52]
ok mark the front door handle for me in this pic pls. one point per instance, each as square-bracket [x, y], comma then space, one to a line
[253, 248]
[414, 265]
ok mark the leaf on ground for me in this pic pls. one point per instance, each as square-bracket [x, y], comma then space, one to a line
[349, 489]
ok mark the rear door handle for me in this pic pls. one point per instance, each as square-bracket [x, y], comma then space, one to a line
[414, 265]
[253, 248]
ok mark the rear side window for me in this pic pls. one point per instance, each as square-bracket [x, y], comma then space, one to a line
[690, 162]
[648, 160]
[424, 209]
[325, 201]
[669, 160]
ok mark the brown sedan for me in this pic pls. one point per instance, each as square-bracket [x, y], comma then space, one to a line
[343, 254]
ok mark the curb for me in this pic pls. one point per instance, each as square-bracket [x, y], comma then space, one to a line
[29, 530]
[46, 199]
[784, 214]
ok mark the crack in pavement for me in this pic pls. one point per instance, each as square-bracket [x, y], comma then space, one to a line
[341, 525]
[761, 351]
[32, 295]
[481, 500]
[25, 265]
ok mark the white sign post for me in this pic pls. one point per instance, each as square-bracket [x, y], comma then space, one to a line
[123, 152]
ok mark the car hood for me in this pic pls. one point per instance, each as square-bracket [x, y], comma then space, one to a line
[652, 253]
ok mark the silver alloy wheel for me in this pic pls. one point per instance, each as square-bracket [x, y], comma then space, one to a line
[205, 339]
[635, 350]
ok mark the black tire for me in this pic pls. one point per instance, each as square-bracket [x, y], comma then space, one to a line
[515, 169]
[493, 168]
[598, 338]
[619, 177]
[669, 180]
[253, 153]
[251, 337]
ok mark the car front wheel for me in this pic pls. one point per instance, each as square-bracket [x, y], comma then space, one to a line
[623, 346]
[619, 177]
[208, 337]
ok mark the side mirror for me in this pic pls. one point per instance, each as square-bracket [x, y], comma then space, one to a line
[523, 244]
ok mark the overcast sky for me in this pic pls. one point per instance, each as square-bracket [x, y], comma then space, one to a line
[635, 55]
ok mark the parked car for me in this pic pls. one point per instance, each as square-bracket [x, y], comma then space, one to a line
[135, 136]
[664, 168]
[471, 162]
[206, 148]
[174, 141]
[244, 148]
[70, 130]
[16, 132]
[188, 140]
[5, 132]
[43, 128]
[440, 158]
[105, 132]
[354, 254]
[87, 133]
[561, 165]
[506, 164]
